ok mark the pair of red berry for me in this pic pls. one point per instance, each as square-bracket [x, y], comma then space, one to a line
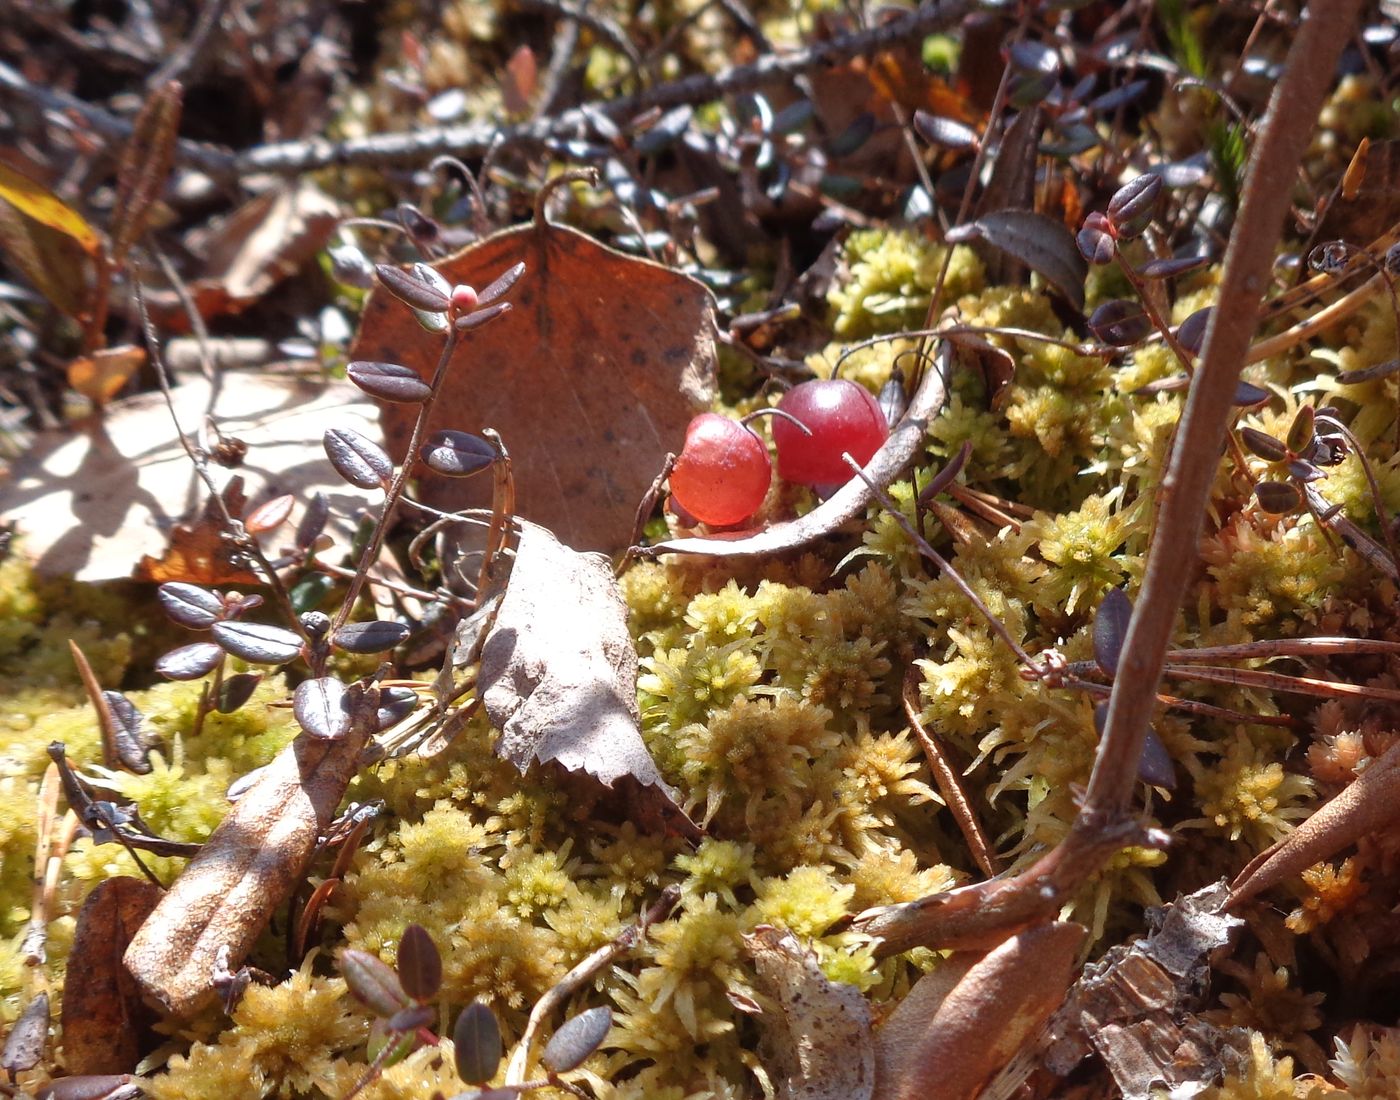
[723, 473]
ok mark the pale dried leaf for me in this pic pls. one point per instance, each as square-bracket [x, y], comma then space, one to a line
[92, 502]
[244, 872]
[820, 1047]
[998, 1006]
[559, 670]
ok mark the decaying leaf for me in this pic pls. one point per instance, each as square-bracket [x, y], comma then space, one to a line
[49, 241]
[92, 503]
[559, 671]
[252, 250]
[819, 1048]
[950, 1044]
[223, 899]
[1133, 1007]
[1365, 807]
[590, 379]
[100, 376]
[103, 1015]
[847, 503]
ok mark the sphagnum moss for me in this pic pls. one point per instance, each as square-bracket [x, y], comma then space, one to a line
[770, 699]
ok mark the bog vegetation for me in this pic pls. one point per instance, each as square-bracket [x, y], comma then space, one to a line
[700, 550]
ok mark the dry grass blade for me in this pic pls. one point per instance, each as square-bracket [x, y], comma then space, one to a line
[1276, 681]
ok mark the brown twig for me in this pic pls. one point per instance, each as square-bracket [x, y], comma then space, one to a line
[949, 784]
[473, 138]
[1186, 485]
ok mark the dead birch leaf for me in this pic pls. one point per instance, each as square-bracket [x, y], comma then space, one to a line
[820, 1047]
[999, 1004]
[559, 671]
[92, 502]
[590, 379]
[253, 861]
[847, 503]
[104, 1018]
[1133, 1007]
[1368, 805]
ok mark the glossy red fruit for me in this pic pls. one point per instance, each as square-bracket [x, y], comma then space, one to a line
[841, 416]
[722, 475]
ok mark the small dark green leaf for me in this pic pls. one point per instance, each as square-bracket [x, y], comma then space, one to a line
[320, 708]
[855, 135]
[420, 965]
[258, 643]
[411, 1019]
[576, 1039]
[190, 662]
[1191, 333]
[1120, 323]
[1132, 206]
[457, 454]
[389, 382]
[375, 636]
[1263, 445]
[313, 520]
[1156, 767]
[501, 284]
[1041, 243]
[477, 318]
[307, 593]
[476, 1044]
[236, 690]
[395, 704]
[358, 460]
[132, 741]
[1111, 628]
[1247, 395]
[945, 132]
[1277, 497]
[372, 982]
[413, 291]
[190, 605]
[1171, 267]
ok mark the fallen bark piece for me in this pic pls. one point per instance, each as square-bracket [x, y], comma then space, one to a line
[104, 1019]
[1135, 1006]
[998, 1007]
[820, 1047]
[256, 856]
[559, 670]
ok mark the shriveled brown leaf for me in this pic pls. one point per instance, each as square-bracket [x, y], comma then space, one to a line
[49, 241]
[104, 1018]
[264, 241]
[100, 376]
[590, 379]
[1368, 805]
[846, 504]
[559, 670]
[1135, 1006]
[820, 1047]
[145, 164]
[246, 869]
[998, 1005]
[92, 502]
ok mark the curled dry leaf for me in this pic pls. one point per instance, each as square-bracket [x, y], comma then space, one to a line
[224, 898]
[91, 504]
[999, 1005]
[819, 1047]
[1134, 1006]
[104, 1019]
[1367, 806]
[623, 347]
[847, 503]
[559, 670]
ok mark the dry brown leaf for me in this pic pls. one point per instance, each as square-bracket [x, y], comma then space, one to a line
[92, 502]
[590, 379]
[100, 376]
[104, 1019]
[558, 671]
[257, 855]
[997, 1006]
[1366, 806]
[820, 1047]
[1133, 1007]
[245, 255]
